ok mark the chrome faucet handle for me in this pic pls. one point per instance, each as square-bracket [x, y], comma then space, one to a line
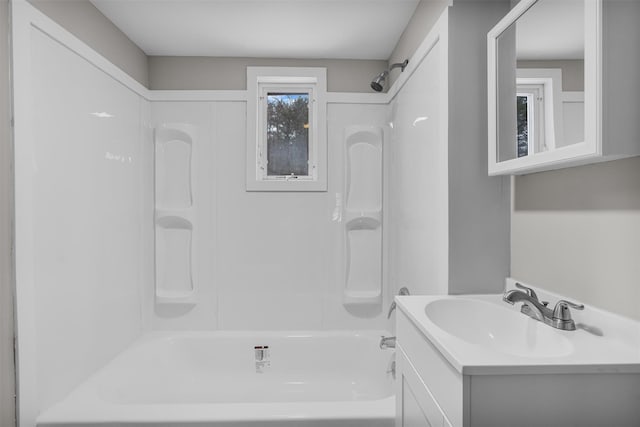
[403, 291]
[391, 308]
[561, 310]
[529, 291]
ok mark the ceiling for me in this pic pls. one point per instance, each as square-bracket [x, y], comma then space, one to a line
[551, 30]
[341, 29]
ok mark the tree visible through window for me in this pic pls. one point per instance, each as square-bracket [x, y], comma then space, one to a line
[523, 126]
[287, 134]
[286, 129]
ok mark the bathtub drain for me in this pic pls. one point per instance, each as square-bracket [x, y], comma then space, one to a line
[263, 358]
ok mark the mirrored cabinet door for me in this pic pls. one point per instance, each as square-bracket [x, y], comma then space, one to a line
[551, 68]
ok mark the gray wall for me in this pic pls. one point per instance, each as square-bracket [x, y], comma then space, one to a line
[7, 375]
[507, 129]
[576, 232]
[423, 19]
[82, 19]
[478, 204]
[184, 72]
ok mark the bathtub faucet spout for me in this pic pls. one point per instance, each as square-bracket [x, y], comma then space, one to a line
[387, 342]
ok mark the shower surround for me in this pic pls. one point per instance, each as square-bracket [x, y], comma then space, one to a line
[88, 221]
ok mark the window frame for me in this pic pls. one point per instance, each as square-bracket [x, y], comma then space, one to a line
[260, 82]
[536, 117]
[546, 84]
[262, 156]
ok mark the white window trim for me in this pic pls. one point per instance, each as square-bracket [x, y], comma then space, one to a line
[551, 114]
[536, 117]
[263, 90]
[260, 80]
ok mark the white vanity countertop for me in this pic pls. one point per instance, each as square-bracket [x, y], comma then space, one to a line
[603, 342]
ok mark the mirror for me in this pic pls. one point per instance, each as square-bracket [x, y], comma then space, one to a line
[539, 80]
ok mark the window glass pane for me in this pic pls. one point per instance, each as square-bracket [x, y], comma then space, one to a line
[523, 126]
[287, 133]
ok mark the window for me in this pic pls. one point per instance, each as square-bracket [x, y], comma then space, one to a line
[531, 119]
[287, 134]
[286, 143]
[539, 110]
[522, 105]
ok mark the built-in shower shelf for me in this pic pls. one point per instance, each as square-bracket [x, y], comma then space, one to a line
[361, 297]
[174, 283]
[185, 214]
[168, 297]
[363, 168]
[174, 131]
[362, 215]
[173, 165]
[362, 219]
[368, 134]
[174, 218]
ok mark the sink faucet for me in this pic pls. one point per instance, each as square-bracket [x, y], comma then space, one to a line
[403, 291]
[387, 342]
[559, 317]
[531, 306]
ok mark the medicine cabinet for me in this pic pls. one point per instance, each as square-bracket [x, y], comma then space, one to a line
[563, 86]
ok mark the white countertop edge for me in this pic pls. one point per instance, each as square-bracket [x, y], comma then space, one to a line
[556, 369]
[511, 365]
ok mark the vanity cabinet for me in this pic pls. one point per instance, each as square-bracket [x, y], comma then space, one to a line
[563, 87]
[431, 392]
[428, 389]
[417, 406]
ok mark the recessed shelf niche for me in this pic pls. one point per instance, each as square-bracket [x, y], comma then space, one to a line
[363, 215]
[364, 169]
[174, 281]
[174, 202]
[173, 166]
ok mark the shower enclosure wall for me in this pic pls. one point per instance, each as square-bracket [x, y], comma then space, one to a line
[132, 218]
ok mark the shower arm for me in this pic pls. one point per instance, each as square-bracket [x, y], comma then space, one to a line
[401, 65]
[378, 83]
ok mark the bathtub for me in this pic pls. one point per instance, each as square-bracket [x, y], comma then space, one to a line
[224, 379]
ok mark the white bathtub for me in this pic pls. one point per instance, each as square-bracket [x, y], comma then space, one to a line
[313, 379]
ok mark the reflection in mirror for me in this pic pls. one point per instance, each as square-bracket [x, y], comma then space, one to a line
[540, 80]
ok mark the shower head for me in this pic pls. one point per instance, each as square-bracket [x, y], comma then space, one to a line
[378, 83]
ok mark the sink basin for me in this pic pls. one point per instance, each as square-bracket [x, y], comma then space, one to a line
[497, 328]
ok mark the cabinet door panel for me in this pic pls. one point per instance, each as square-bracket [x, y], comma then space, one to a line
[417, 407]
[444, 383]
[413, 414]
